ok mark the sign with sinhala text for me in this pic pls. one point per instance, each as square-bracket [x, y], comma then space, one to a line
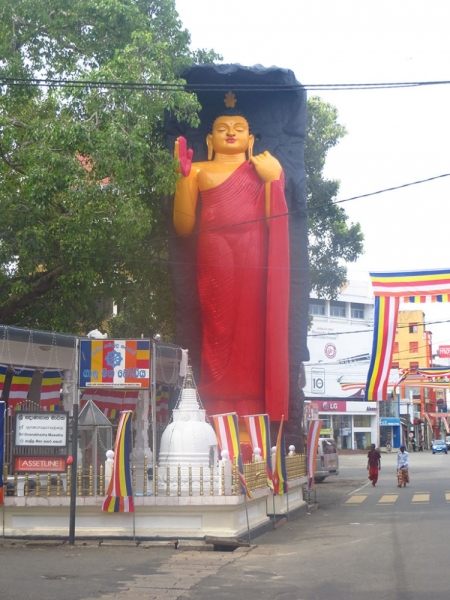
[120, 364]
[41, 429]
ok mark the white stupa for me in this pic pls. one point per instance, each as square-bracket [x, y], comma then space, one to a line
[187, 444]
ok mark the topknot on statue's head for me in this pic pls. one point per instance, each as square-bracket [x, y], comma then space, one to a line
[229, 109]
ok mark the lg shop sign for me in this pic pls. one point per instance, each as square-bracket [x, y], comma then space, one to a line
[444, 351]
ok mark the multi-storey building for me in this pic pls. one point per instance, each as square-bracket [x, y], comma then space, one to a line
[340, 343]
[412, 351]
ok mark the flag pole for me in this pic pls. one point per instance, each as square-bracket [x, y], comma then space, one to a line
[134, 505]
[75, 412]
[2, 467]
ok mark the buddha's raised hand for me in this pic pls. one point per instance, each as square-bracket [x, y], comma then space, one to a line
[184, 156]
[267, 167]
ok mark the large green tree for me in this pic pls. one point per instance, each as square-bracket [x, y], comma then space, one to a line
[83, 168]
[333, 242]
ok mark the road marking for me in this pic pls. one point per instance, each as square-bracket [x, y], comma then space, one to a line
[359, 489]
[421, 498]
[388, 499]
[356, 500]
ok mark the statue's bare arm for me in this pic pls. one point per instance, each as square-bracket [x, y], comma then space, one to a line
[186, 192]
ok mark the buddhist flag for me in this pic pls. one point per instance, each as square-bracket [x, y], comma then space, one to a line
[258, 427]
[162, 403]
[2, 445]
[280, 484]
[111, 402]
[119, 497]
[385, 323]
[315, 425]
[3, 370]
[50, 390]
[227, 431]
[433, 372]
[20, 384]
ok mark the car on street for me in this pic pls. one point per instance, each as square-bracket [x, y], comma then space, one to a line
[438, 446]
[327, 460]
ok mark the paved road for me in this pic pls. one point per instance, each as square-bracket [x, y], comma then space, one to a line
[381, 543]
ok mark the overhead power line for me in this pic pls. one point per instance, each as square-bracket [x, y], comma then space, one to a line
[213, 87]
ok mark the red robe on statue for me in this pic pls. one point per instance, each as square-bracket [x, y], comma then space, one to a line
[243, 281]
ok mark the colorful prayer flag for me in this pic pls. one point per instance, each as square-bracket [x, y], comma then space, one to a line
[2, 445]
[433, 372]
[20, 385]
[258, 427]
[111, 402]
[3, 370]
[385, 323]
[345, 386]
[411, 283]
[162, 403]
[227, 432]
[314, 428]
[50, 390]
[119, 497]
[280, 483]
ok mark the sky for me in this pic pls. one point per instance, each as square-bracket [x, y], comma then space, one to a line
[395, 136]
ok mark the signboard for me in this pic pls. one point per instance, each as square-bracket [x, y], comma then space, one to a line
[40, 464]
[121, 364]
[444, 351]
[332, 405]
[318, 381]
[389, 421]
[35, 429]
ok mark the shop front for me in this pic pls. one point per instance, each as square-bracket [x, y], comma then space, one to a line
[352, 424]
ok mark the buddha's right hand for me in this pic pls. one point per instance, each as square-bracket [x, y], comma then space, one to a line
[184, 156]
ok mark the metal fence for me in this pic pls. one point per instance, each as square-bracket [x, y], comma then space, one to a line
[207, 482]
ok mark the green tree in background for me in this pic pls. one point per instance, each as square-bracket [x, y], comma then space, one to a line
[83, 169]
[332, 241]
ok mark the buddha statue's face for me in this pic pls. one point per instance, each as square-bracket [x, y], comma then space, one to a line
[230, 135]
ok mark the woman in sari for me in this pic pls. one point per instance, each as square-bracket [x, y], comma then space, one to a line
[402, 467]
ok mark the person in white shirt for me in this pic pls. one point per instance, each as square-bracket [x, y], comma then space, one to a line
[402, 467]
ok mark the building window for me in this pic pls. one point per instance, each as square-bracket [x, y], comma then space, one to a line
[361, 421]
[395, 365]
[413, 328]
[413, 347]
[357, 311]
[395, 349]
[317, 307]
[413, 366]
[337, 309]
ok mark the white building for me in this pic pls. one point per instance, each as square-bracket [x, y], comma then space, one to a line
[340, 345]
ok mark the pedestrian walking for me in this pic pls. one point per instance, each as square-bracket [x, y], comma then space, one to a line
[402, 467]
[373, 464]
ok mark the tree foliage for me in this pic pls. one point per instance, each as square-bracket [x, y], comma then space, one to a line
[333, 241]
[82, 169]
